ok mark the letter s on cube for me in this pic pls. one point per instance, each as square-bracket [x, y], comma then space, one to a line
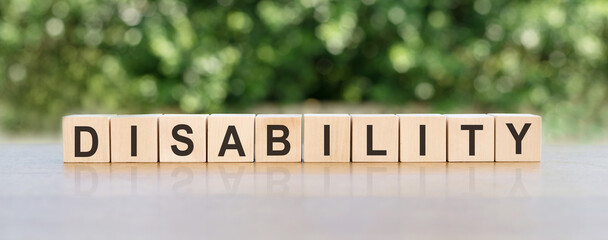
[182, 138]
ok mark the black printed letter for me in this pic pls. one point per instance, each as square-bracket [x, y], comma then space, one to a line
[471, 129]
[518, 137]
[182, 139]
[370, 147]
[133, 141]
[282, 139]
[79, 152]
[326, 140]
[237, 142]
[422, 140]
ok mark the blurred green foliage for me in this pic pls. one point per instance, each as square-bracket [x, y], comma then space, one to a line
[545, 56]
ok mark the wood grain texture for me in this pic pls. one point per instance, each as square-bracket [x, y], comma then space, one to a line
[385, 137]
[293, 124]
[100, 124]
[459, 149]
[434, 132]
[505, 143]
[146, 147]
[197, 123]
[338, 134]
[217, 127]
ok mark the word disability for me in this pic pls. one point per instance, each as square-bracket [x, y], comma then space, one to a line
[321, 138]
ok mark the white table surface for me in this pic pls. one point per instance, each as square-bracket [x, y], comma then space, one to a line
[564, 196]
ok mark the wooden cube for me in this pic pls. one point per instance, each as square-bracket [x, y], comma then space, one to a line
[230, 137]
[182, 138]
[134, 138]
[422, 137]
[375, 138]
[326, 138]
[470, 138]
[86, 138]
[517, 138]
[278, 138]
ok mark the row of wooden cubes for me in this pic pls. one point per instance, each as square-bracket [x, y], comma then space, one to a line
[283, 138]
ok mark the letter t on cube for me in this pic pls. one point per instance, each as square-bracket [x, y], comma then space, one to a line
[470, 138]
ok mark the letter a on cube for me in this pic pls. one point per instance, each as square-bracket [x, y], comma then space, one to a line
[278, 138]
[518, 137]
[230, 137]
[86, 138]
[182, 138]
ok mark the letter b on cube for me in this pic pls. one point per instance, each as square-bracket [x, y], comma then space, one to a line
[278, 138]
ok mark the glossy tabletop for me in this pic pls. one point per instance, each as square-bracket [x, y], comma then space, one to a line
[564, 196]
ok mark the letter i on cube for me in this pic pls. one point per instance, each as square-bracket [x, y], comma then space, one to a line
[134, 138]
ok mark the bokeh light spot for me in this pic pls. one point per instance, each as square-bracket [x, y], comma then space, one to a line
[424, 91]
[54, 27]
[17, 72]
